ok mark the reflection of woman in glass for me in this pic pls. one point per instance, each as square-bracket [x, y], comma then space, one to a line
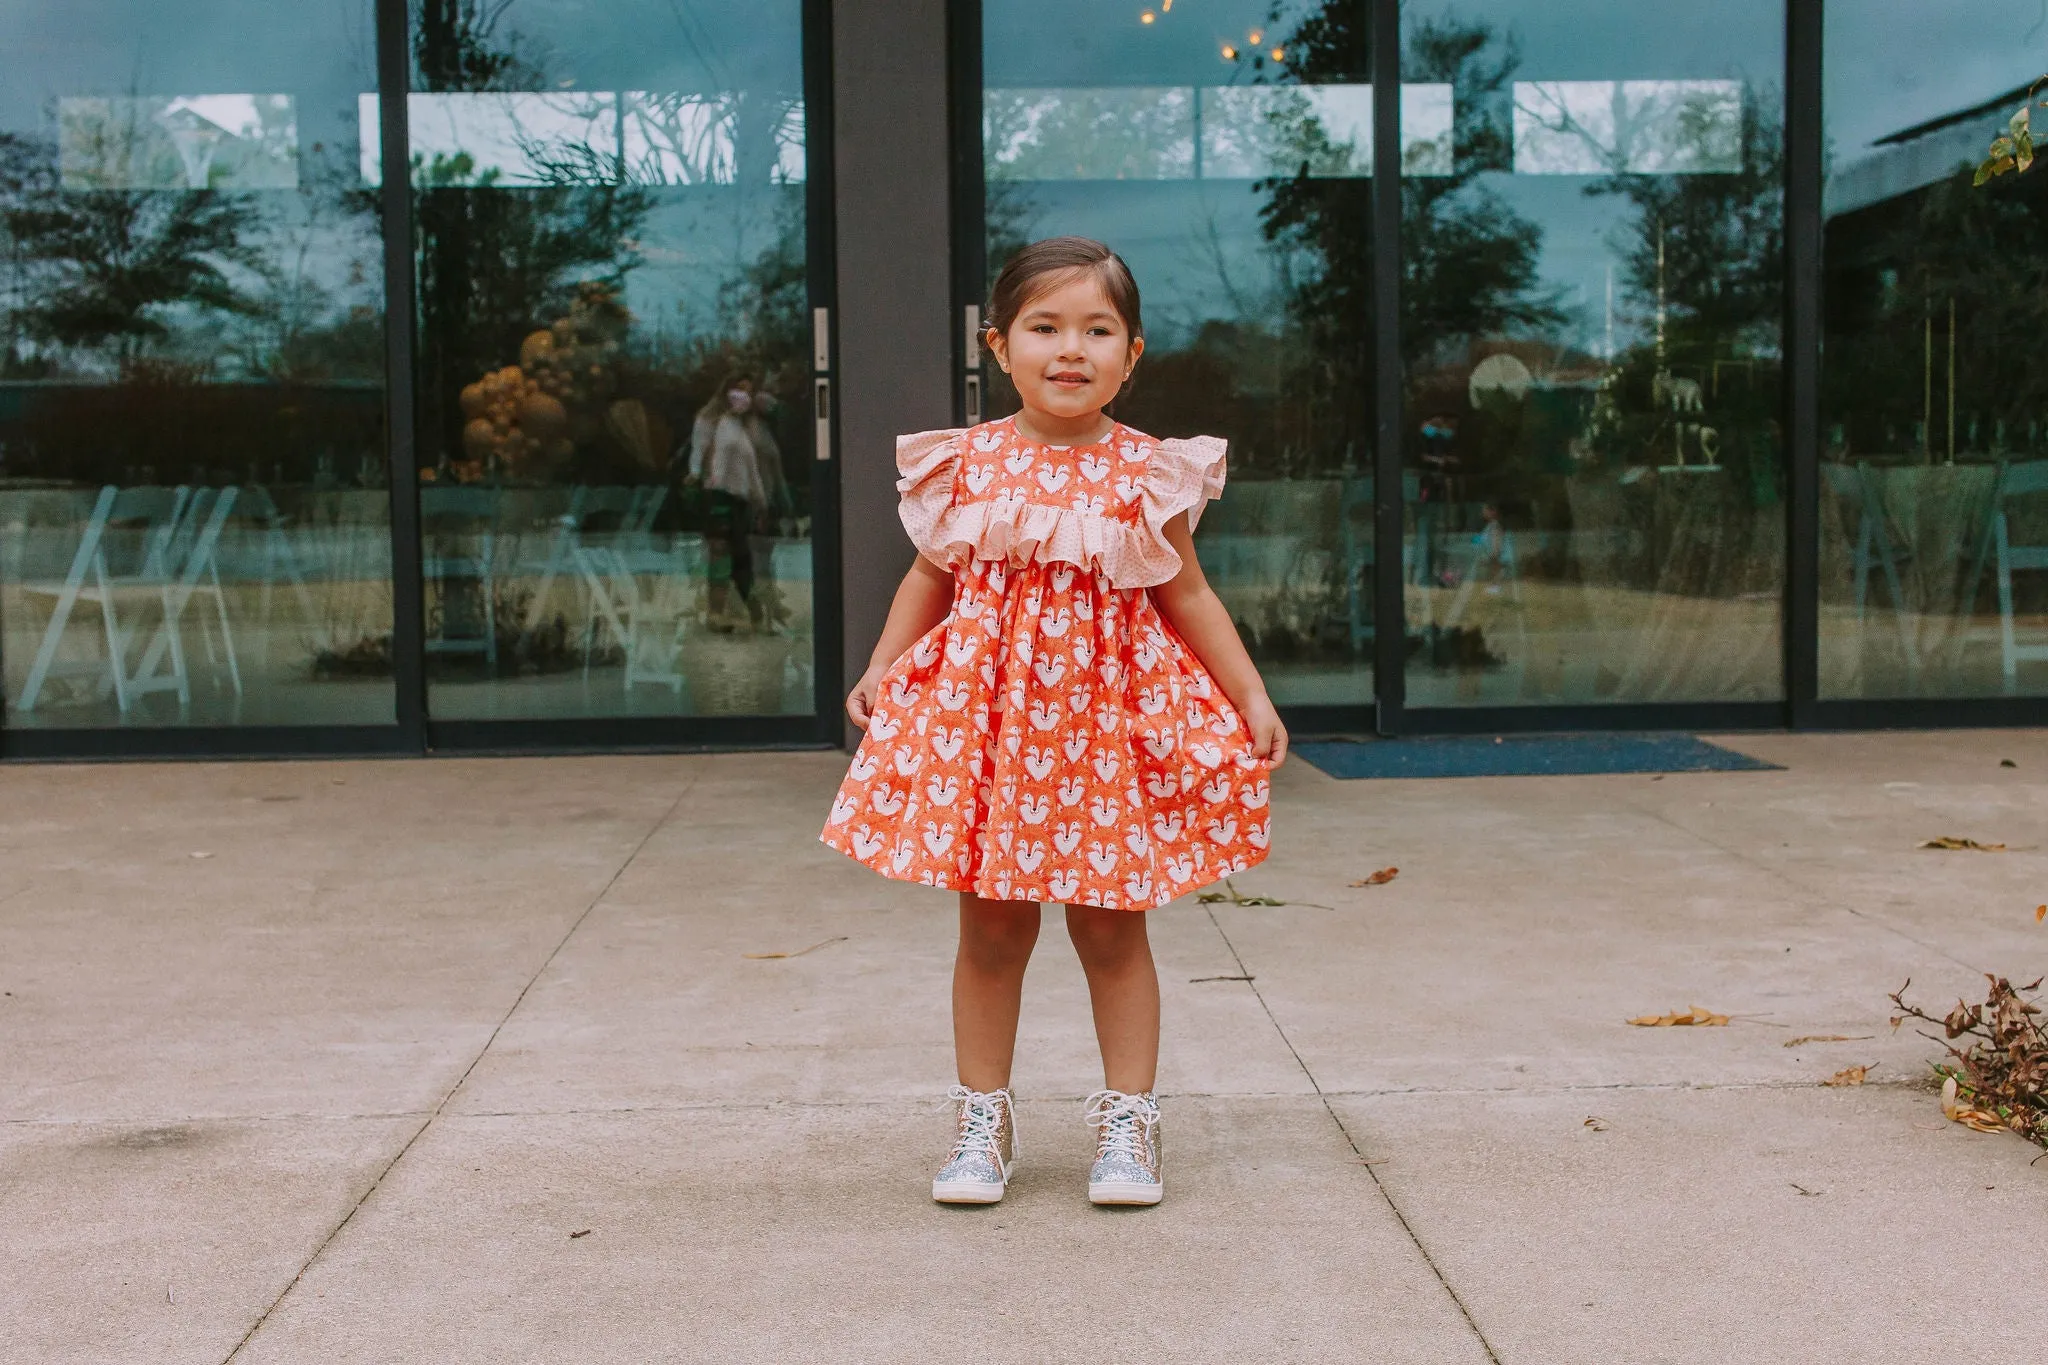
[734, 458]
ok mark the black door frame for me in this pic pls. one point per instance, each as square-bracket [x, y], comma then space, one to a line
[415, 731]
[1388, 712]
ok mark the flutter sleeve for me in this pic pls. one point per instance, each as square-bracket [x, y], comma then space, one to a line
[1182, 476]
[926, 462]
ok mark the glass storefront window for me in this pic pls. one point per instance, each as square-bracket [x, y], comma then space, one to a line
[1934, 417]
[614, 358]
[194, 502]
[1591, 350]
[1224, 152]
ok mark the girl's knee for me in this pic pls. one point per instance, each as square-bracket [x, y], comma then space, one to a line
[997, 934]
[1107, 937]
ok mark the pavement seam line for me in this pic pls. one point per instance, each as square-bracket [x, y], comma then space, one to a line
[1826, 897]
[377, 1182]
[752, 1106]
[1344, 1131]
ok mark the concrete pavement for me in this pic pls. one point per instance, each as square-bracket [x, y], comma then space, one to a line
[464, 1060]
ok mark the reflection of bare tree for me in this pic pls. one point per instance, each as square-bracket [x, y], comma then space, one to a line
[1617, 127]
[1111, 133]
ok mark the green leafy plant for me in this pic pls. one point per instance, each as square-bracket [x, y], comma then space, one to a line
[2012, 151]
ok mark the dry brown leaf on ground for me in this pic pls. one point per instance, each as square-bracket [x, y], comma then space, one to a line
[1849, 1075]
[1830, 1038]
[1596, 1123]
[2040, 913]
[1955, 841]
[1379, 878]
[775, 957]
[1693, 1015]
[1967, 1115]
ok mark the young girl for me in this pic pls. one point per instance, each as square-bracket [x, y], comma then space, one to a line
[1059, 708]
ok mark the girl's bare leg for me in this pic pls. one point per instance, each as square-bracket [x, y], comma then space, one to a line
[1124, 987]
[996, 938]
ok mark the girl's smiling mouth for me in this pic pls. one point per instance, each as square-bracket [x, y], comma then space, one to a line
[1070, 378]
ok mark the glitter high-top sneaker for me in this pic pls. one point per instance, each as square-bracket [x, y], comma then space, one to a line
[985, 1153]
[1126, 1149]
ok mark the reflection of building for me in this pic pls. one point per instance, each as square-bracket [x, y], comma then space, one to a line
[627, 247]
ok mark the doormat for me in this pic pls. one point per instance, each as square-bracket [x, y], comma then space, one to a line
[1525, 755]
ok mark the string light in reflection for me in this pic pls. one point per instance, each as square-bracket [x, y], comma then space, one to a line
[1147, 17]
[1229, 53]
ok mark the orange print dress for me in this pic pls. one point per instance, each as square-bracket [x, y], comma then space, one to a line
[1053, 739]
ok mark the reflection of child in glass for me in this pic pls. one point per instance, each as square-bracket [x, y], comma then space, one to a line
[1058, 709]
[734, 457]
[1433, 489]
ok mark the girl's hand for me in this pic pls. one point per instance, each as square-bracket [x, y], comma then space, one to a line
[1268, 735]
[860, 703]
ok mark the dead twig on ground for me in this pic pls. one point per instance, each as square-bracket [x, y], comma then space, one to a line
[1999, 1077]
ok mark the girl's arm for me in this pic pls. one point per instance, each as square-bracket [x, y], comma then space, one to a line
[1191, 606]
[922, 601]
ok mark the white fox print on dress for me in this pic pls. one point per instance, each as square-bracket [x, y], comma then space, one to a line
[1087, 758]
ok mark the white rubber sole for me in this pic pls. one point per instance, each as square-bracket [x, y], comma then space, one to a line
[1124, 1192]
[973, 1191]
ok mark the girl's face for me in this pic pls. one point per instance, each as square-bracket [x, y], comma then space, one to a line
[1069, 350]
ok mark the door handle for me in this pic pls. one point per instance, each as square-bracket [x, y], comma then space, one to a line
[821, 414]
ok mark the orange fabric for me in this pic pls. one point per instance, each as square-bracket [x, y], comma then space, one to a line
[1054, 739]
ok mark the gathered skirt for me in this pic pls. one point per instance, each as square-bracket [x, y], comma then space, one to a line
[1053, 740]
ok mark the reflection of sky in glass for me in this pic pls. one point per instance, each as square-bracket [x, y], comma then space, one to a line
[527, 138]
[1246, 132]
[1637, 127]
[184, 142]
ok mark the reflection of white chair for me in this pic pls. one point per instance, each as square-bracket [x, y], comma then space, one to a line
[452, 520]
[631, 512]
[609, 565]
[194, 552]
[177, 532]
[283, 558]
[1857, 490]
[2014, 481]
[653, 615]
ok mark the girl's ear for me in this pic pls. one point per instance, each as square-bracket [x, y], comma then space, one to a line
[999, 347]
[1131, 362]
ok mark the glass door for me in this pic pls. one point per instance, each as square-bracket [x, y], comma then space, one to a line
[1934, 416]
[616, 349]
[1591, 324]
[195, 501]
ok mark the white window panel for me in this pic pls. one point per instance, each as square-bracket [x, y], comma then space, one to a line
[1632, 127]
[178, 142]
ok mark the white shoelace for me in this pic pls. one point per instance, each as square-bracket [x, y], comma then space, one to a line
[982, 1121]
[1125, 1123]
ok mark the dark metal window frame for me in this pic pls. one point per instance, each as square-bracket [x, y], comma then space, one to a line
[416, 731]
[1388, 712]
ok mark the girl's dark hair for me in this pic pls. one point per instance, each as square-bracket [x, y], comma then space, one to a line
[1035, 269]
